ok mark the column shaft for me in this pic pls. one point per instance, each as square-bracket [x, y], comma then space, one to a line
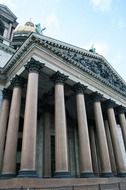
[3, 126]
[84, 144]
[9, 162]
[116, 145]
[122, 120]
[110, 147]
[61, 154]
[104, 154]
[94, 151]
[28, 156]
[47, 145]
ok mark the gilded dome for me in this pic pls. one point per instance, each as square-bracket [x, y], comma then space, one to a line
[27, 27]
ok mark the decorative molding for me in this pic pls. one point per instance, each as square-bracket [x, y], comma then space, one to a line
[6, 93]
[7, 49]
[93, 64]
[96, 97]
[34, 66]
[59, 78]
[110, 103]
[17, 81]
[79, 88]
[121, 109]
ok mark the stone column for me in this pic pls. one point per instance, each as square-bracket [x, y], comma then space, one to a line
[28, 154]
[3, 122]
[121, 167]
[94, 151]
[47, 144]
[9, 161]
[61, 147]
[103, 147]
[84, 144]
[110, 147]
[122, 119]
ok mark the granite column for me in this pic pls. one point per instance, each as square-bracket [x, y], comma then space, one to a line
[9, 161]
[86, 169]
[61, 146]
[3, 122]
[28, 154]
[100, 129]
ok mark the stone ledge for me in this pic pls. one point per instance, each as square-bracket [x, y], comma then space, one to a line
[71, 183]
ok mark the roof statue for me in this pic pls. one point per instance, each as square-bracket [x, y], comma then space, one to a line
[92, 49]
[39, 29]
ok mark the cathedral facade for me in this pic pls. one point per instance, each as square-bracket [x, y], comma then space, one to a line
[62, 122]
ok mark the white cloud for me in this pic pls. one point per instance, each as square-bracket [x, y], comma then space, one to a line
[102, 5]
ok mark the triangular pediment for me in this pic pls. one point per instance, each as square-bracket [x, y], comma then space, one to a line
[93, 64]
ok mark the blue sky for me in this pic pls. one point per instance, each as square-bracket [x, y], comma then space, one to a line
[83, 23]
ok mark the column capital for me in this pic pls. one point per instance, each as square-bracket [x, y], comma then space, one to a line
[17, 81]
[59, 78]
[34, 66]
[6, 93]
[96, 96]
[120, 109]
[79, 88]
[110, 103]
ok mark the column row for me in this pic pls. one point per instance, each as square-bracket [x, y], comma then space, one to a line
[28, 153]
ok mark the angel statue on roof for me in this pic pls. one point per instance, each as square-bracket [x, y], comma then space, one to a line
[39, 29]
[92, 49]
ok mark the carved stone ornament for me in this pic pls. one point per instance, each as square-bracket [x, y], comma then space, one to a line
[121, 109]
[6, 93]
[92, 64]
[34, 66]
[110, 103]
[17, 81]
[79, 88]
[59, 78]
[96, 96]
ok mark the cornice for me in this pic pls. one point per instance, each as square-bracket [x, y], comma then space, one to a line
[7, 48]
[93, 64]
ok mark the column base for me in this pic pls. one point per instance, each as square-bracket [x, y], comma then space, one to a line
[86, 175]
[62, 174]
[107, 174]
[28, 173]
[121, 174]
[7, 175]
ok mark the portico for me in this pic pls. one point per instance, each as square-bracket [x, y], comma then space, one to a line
[62, 115]
[72, 108]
